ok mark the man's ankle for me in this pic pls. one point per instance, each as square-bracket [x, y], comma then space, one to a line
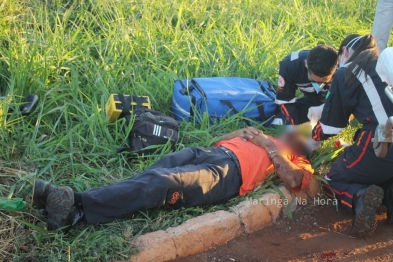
[78, 200]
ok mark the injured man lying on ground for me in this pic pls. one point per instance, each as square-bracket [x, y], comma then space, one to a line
[194, 176]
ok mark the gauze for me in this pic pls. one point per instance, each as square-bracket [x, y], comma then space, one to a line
[385, 65]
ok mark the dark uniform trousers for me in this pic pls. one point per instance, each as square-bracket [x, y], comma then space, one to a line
[191, 177]
[296, 113]
[357, 168]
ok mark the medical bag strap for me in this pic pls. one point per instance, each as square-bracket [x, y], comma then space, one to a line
[270, 87]
[261, 110]
[186, 90]
[126, 106]
[139, 100]
[135, 145]
[124, 149]
[230, 105]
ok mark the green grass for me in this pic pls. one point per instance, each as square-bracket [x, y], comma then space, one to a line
[73, 54]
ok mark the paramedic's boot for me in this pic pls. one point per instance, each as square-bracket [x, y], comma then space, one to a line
[388, 202]
[366, 202]
[41, 191]
[60, 208]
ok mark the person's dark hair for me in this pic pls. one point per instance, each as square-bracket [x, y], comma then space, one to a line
[364, 57]
[347, 41]
[322, 60]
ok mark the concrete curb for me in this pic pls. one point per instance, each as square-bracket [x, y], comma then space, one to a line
[203, 232]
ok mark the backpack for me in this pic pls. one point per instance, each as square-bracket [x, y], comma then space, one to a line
[223, 96]
[151, 128]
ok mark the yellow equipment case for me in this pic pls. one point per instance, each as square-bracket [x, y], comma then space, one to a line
[118, 103]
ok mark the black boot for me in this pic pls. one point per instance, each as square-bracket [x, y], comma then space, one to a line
[366, 201]
[41, 191]
[388, 201]
[60, 208]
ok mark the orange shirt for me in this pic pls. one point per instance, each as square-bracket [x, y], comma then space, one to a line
[256, 165]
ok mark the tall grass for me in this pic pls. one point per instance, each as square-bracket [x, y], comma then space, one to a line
[73, 54]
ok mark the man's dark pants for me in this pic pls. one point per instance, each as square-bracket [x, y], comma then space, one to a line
[191, 177]
[358, 167]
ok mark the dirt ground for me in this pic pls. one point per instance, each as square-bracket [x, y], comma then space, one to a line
[316, 233]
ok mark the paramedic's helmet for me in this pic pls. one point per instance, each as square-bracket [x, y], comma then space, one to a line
[385, 66]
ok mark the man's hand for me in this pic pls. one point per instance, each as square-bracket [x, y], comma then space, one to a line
[241, 133]
[256, 137]
[233, 135]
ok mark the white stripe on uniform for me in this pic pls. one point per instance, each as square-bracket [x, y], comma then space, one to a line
[307, 89]
[295, 55]
[373, 96]
[330, 130]
[280, 102]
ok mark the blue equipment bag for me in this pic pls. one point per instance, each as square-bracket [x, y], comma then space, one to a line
[223, 96]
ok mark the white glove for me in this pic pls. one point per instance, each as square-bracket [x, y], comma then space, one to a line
[314, 114]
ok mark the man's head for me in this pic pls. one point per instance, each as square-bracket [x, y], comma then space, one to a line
[296, 141]
[321, 64]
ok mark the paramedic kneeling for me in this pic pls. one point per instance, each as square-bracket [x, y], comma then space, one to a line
[358, 178]
[310, 71]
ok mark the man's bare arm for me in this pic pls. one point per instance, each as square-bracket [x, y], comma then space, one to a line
[288, 172]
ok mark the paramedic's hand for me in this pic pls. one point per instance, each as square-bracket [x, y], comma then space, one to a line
[314, 114]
